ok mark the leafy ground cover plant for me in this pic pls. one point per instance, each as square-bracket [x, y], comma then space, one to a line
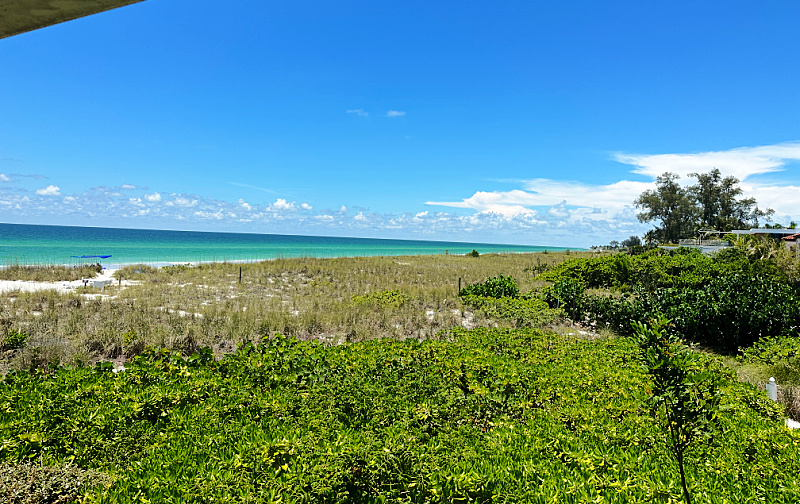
[523, 312]
[489, 415]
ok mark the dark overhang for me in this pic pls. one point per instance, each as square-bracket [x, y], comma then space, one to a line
[20, 16]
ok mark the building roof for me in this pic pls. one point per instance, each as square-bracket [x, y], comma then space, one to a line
[20, 16]
[791, 237]
[764, 231]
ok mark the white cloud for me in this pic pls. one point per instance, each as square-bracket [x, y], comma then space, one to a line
[50, 190]
[282, 205]
[612, 198]
[538, 210]
[395, 113]
[784, 199]
[741, 162]
[182, 201]
[128, 186]
[218, 215]
[607, 211]
[4, 178]
[359, 112]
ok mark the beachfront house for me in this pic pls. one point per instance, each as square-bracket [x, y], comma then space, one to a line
[791, 242]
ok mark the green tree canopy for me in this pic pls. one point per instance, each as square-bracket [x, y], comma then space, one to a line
[719, 208]
[673, 206]
[711, 203]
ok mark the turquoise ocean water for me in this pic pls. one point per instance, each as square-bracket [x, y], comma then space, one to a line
[36, 245]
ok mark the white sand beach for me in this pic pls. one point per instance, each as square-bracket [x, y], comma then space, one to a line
[106, 277]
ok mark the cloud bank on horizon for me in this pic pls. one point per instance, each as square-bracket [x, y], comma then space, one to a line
[611, 205]
[542, 211]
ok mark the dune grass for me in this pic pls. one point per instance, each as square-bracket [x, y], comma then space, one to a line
[333, 300]
[49, 273]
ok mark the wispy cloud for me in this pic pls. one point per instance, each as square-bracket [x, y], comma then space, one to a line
[12, 176]
[50, 190]
[359, 112]
[395, 113]
[4, 178]
[249, 186]
[153, 197]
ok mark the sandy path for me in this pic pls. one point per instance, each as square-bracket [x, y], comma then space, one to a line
[107, 276]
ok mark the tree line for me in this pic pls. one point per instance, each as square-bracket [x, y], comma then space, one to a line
[712, 203]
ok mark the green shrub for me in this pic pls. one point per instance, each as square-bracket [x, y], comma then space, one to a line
[495, 287]
[13, 340]
[727, 312]
[568, 295]
[772, 349]
[732, 311]
[614, 312]
[659, 268]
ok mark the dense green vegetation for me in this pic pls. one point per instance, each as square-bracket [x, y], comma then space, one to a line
[373, 393]
[726, 301]
[493, 415]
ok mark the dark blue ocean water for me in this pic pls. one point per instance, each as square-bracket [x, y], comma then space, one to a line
[29, 244]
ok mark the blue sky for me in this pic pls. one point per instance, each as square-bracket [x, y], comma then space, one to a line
[508, 122]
